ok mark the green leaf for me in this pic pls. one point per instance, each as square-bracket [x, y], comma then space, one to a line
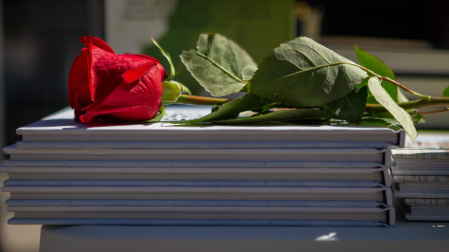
[380, 122]
[446, 92]
[303, 73]
[167, 56]
[374, 84]
[350, 107]
[217, 64]
[232, 109]
[159, 116]
[280, 116]
[418, 118]
[379, 67]
[248, 72]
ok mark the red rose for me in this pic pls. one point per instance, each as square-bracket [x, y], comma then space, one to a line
[104, 86]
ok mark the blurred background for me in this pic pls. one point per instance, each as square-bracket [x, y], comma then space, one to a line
[39, 40]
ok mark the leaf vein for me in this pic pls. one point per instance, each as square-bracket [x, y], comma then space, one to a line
[218, 66]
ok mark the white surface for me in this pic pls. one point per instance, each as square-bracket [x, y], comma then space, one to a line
[60, 127]
[405, 236]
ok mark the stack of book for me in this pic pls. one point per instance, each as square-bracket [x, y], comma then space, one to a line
[421, 178]
[65, 173]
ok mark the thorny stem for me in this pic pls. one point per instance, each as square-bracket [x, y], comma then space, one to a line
[425, 97]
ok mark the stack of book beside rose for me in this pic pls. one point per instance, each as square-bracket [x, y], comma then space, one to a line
[421, 178]
[306, 143]
[64, 172]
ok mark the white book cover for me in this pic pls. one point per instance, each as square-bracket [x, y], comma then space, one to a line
[421, 178]
[426, 217]
[419, 170]
[429, 209]
[429, 140]
[280, 213]
[193, 183]
[60, 127]
[247, 155]
[419, 194]
[193, 203]
[430, 151]
[424, 212]
[8, 164]
[370, 173]
[421, 164]
[205, 222]
[280, 143]
[381, 194]
[423, 201]
[418, 154]
[422, 187]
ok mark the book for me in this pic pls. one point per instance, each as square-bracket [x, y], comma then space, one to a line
[421, 178]
[374, 172]
[190, 183]
[426, 201]
[204, 222]
[251, 213]
[66, 173]
[380, 194]
[213, 155]
[60, 131]
[422, 187]
[425, 210]
[429, 152]
[193, 203]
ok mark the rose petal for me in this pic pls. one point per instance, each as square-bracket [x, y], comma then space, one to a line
[137, 73]
[89, 40]
[105, 86]
[132, 114]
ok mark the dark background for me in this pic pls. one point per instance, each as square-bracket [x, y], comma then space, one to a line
[40, 41]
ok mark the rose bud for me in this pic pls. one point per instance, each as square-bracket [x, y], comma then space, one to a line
[107, 87]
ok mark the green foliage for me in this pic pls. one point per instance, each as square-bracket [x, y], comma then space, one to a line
[379, 67]
[374, 121]
[282, 116]
[172, 90]
[299, 80]
[232, 109]
[398, 113]
[248, 72]
[158, 117]
[217, 64]
[350, 107]
[446, 92]
[167, 56]
[303, 73]
[373, 63]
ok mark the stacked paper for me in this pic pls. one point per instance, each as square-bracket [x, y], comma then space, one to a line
[63, 172]
[421, 175]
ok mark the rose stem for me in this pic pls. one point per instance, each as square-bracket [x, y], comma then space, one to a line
[421, 103]
[425, 97]
[200, 100]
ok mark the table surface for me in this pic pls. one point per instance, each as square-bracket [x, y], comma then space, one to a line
[404, 236]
